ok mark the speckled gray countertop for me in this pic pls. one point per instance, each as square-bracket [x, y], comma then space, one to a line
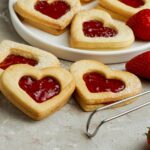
[64, 130]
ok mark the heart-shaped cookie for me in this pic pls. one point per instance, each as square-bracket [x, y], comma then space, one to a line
[126, 8]
[52, 16]
[98, 85]
[95, 29]
[12, 53]
[38, 93]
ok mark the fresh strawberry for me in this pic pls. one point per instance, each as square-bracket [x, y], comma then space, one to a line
[148, 136]
[140, 65]
[140, 24]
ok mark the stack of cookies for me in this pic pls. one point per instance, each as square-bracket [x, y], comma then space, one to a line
[90, 29]
[97, 85]
[123, 9]
[35, 83]
[52, 16]
[33, 80]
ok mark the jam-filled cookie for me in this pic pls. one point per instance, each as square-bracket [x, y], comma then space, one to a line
[95, 29]
[12, 53]
[38, 93]
[52, 16]
[97, 85]
[126, 8]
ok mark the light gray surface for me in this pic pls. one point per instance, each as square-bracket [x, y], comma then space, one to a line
[65, 129]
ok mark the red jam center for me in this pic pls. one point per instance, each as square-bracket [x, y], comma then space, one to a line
[40, 90]
[54, 10]
[133, 3]
[96, 83]
[16, 59]
[94, 28]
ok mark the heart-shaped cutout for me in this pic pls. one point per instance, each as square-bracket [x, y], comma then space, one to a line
[55, 83]
[126, 8]
[55, 10]
[95, 29]
[98, 85]
[14, 53]
[52, 16]
[16, 59]
[40, 90]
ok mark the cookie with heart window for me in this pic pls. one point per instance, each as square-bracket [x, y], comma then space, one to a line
[37, 92]
[95, 29]
[52, 16]
[126, 8]
[12, 53]
[97, 85]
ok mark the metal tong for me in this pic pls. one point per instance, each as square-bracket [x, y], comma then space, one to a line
[92, 134]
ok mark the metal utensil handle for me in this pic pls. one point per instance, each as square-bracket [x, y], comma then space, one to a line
[90, 135]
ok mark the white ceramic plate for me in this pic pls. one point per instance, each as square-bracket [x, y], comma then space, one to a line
[59, 45]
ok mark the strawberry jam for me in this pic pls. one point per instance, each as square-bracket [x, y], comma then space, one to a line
[96, 83]
[16, 59]
[94, 28]
[40, 90]
[133, 3]
[55, 10]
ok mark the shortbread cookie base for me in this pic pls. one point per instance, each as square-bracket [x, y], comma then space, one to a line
[44, 28]
[121, 8]
[86, 1]
[113, 14]
[99, 45]
[84, 106]
[88, 108]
